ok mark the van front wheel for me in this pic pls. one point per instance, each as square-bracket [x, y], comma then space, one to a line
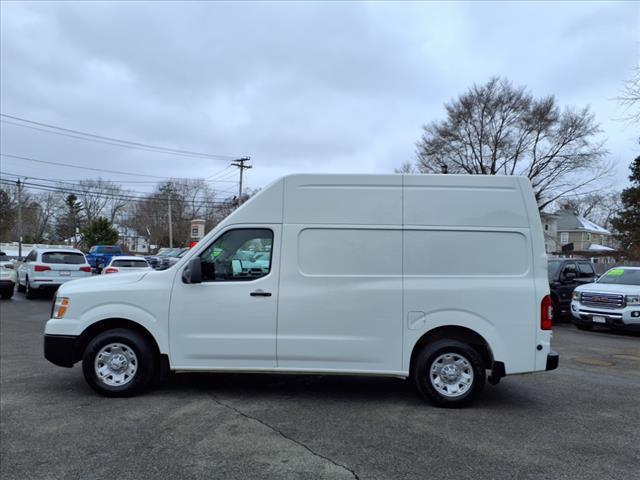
[449, 373]
[119, 363]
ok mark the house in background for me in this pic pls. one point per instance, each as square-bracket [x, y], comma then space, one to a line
[131, 241]
[550, 230]
[581, 237]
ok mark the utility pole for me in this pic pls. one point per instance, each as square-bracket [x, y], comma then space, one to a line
[240, 164]
[170, 222]
[20, 185]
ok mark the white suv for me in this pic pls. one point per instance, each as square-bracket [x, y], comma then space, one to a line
[612, 301]
[48, 268]
[7, 276]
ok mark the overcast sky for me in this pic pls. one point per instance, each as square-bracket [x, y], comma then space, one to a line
[299, 87]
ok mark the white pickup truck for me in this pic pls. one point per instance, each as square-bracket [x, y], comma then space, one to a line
[613, 301]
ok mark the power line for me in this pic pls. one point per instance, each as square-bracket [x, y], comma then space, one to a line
[29, 159]
[152, 197]
[79, 186]
[80, 135]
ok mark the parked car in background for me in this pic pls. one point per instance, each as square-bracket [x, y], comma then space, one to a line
[565, 274]
[125, 264]
[613, 301]
[6, 261]
[8, 276]
[48, 268]
[167, 257]
[100, 255]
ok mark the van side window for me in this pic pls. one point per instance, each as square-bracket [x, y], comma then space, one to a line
[238, 255]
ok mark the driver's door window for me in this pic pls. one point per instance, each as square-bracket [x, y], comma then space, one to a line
[570, 268]
[238, 255]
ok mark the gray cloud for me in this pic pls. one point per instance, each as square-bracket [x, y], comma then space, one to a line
[298, 86]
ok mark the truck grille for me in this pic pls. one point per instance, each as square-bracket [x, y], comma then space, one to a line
[604, 300]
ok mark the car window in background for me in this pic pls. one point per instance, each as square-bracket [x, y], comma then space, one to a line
[621, 276]
[63, 258]
[3, 257]
[586, 270]
[130, 263]
[553, 269]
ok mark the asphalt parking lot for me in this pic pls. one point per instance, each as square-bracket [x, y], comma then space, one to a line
[581, 421]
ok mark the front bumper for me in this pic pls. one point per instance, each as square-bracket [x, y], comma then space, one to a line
[61, 349]
[624, 318]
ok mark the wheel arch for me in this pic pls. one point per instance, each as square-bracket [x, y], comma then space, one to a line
[108, 324]
[454, 332]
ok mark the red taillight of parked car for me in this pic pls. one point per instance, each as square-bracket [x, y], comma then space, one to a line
[546, 313]
[85, 269]
[41, 268]
[110, 270]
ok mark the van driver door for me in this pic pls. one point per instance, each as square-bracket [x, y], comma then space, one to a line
[229, 320]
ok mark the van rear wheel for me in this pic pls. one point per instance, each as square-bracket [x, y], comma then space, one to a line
[449, 373]
[119, 363]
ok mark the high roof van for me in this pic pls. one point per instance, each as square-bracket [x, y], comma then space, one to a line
[438, 278]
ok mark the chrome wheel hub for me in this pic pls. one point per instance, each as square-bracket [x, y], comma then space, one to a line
[451, 374]
[116, 364]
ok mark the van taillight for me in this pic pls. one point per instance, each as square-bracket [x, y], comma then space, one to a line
[546, 313]
[41, 268]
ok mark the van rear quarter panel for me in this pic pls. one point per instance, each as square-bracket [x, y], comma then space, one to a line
[467, 261]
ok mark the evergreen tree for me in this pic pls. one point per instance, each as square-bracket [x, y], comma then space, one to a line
[99, 232]
[71, 218]
[627, 222]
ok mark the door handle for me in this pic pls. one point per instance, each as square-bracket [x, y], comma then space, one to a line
[260, 293]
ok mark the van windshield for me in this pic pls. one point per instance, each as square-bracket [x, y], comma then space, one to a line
[621, 276]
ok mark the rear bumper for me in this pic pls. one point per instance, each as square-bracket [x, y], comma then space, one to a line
[7, 284]
[60, 349]
[552, 360]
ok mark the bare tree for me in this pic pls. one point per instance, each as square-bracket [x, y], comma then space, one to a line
[498, 129]
[407, 167]
[629, 97]
[102, 198]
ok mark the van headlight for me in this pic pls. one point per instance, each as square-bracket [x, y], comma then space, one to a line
[633, 299]
[575, 296]
[60, 307]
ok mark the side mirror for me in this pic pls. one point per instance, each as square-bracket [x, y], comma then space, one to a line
[193, 271]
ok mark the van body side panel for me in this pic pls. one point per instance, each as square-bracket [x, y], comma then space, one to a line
[343, 199]
[340, 299]
[468, 262]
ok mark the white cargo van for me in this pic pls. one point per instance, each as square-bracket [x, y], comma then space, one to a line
[434, 277]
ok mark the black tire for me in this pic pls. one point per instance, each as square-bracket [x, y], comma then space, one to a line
[7, 293]
[583, 327]
[29, 292]
[20, 287]
[429, 354]
[146, 367]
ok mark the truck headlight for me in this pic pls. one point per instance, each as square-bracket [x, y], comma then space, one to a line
[633, 299]
[60, 307]
[575, 296]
